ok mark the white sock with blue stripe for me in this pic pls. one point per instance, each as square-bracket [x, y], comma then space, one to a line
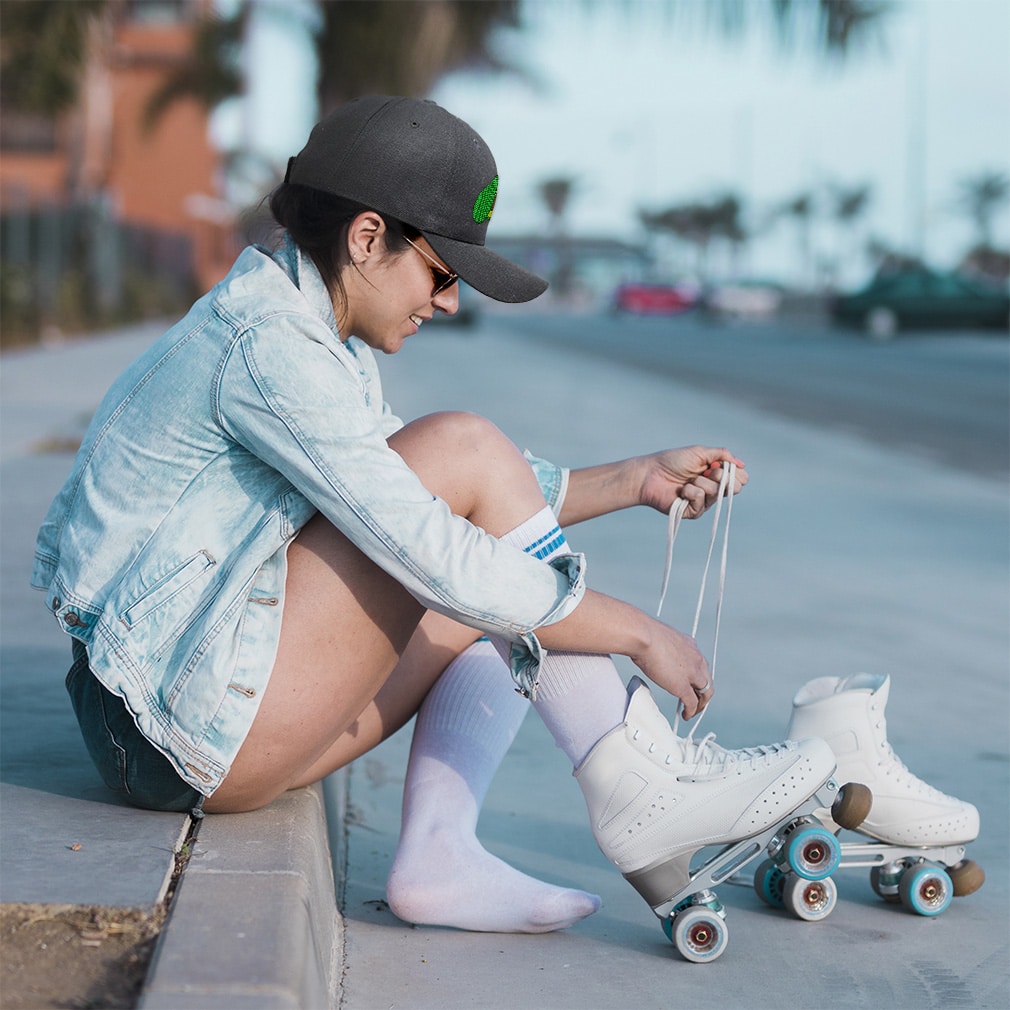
[581, 696]
[441, 874]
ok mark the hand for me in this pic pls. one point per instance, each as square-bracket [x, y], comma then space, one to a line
[691, 473]
[673, 661]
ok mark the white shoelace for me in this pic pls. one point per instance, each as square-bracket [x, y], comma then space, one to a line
[726, 481]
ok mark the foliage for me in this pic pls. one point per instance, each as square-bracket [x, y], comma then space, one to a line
[980, 197]
[390, 47]
[699, 223]
[43, 51]
[212, 72]
[556, 193]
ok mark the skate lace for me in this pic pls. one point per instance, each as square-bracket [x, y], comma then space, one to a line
[705, 752]
[705, 756]
[892, 766]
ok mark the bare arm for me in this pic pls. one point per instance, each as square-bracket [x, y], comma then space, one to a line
[655, 480]
[604, 625]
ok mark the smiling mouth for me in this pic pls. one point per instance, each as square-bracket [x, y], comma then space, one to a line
[417, 320]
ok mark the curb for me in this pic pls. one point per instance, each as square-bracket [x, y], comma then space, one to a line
[255, 923]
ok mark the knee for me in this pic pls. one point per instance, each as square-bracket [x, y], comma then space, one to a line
[463, 457]
[458, 437]
[460, 427]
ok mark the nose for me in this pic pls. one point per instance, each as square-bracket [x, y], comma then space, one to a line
[447, 301]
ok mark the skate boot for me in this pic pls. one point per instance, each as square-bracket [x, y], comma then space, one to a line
[655, 799]
[918, 824]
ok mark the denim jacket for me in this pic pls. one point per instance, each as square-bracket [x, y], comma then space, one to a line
[165, 551]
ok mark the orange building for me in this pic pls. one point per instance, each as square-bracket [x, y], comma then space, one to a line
[164, 177]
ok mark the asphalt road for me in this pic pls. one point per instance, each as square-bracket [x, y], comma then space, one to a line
[943, 395]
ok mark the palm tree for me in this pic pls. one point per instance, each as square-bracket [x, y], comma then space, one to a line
[44, 52]
[980, 197]
[381, 45]
[849, 205]
[801, 209]
[556, 193]
[396, 48]
[699, 223]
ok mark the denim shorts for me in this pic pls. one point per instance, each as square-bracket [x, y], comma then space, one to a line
[130, 765]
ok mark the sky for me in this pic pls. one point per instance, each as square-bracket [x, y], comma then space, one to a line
[643, 114]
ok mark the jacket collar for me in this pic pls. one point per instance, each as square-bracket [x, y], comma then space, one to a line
[302, 272]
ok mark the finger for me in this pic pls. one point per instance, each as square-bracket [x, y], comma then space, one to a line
[710, 488]
[696, 500]
[698, 703]
[740, 478]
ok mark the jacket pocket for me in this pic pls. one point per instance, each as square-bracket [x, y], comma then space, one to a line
[166, 587]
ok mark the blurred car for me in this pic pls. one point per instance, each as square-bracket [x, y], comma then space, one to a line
[747, 298]
[654, 299]
[923, 298]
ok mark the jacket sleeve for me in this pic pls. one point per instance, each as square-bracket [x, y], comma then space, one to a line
[289, 396]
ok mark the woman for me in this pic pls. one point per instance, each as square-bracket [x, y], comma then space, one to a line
[264, 571]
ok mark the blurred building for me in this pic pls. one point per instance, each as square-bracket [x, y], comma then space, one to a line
[140, 194]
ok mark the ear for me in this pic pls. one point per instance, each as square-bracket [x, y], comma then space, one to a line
[364, 236]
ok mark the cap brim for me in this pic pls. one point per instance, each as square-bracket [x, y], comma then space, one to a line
[486, 271]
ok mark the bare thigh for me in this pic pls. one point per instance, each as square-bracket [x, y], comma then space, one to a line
[357, 653]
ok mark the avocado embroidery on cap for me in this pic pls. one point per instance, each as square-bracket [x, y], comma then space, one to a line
[483, 206]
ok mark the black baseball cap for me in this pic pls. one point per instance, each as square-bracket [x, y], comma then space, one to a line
[409, 158]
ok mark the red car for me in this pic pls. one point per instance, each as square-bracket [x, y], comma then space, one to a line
[654, 299]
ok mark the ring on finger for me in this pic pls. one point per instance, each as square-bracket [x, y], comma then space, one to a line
[700, 691]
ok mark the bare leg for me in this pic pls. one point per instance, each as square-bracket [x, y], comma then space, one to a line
[350, 630]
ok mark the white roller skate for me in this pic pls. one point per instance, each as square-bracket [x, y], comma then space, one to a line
[918, 856]
[655, 799]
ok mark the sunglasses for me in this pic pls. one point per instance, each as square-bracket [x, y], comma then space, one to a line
[440, 277]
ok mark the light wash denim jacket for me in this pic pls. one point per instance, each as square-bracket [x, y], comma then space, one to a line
[165, 551]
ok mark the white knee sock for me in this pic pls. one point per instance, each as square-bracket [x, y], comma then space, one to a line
[441, 874]
[581, 696]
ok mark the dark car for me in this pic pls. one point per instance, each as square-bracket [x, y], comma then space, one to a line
[654, 299]
[923, 298]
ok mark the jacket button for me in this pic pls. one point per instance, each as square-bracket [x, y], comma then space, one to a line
[72, 620]
[56, 603]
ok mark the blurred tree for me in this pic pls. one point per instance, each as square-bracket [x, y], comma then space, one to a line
[213, 71]
[383, 45]
[43, 52]
[396, 48]
[849, 205]
[699, 223]
[801, 209]
[888, 259]
[555, 194]
[836, 27]
[980, 197]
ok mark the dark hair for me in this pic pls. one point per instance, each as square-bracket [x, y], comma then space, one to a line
[318, 222]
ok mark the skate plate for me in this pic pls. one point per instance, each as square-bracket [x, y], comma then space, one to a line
[695, 921]
[924, 878]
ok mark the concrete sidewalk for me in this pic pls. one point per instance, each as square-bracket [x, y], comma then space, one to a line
[253, 922]
[843, 558]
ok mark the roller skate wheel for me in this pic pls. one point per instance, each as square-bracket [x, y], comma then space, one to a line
[885, 883]
[925, 890]
[966, 877]
[852, 805]
[699, 934]
[768, 883]
[813, 853]
[809, 899]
